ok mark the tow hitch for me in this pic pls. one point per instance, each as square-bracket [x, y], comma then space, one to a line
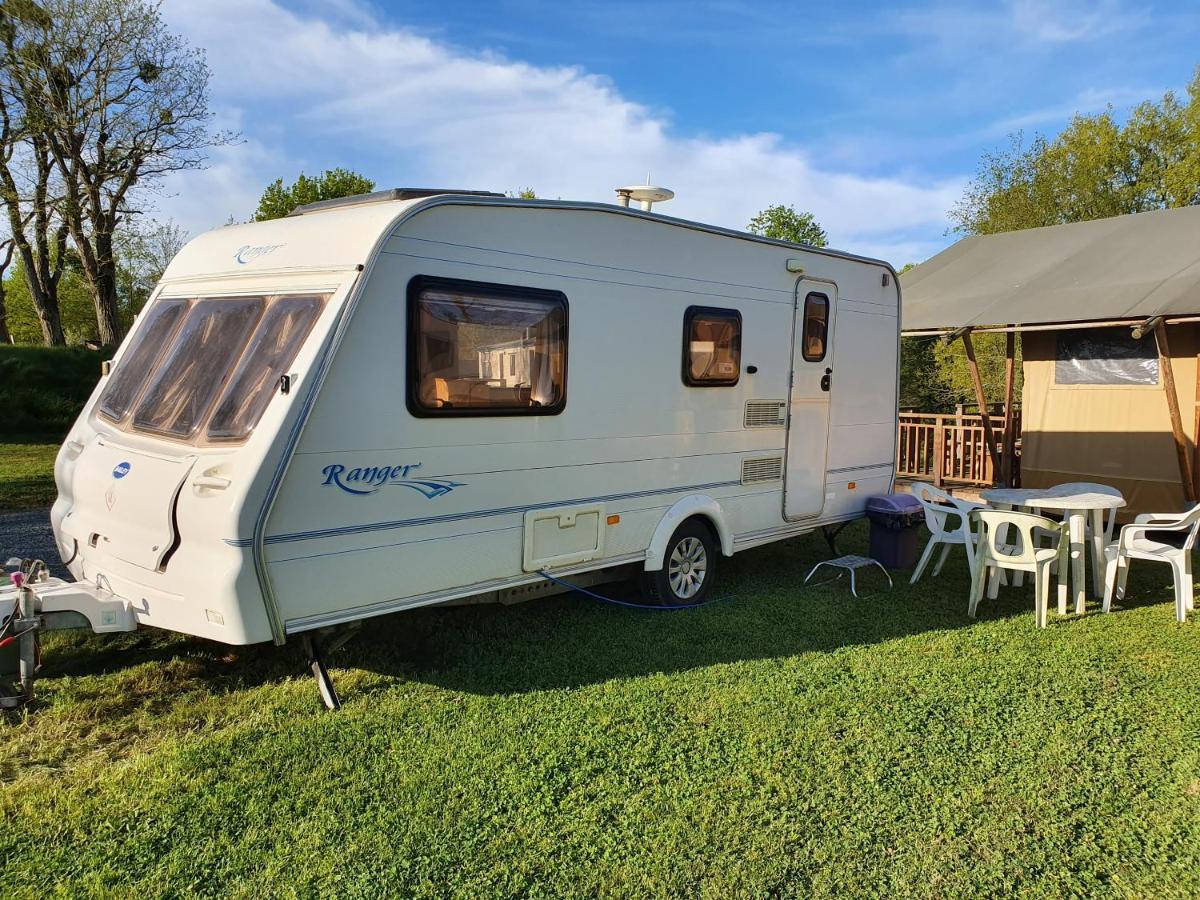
[34, 602]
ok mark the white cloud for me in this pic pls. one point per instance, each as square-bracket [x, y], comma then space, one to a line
[353, 90]
[1063, 22]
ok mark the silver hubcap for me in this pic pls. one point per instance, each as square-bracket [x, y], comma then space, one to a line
[687, 567]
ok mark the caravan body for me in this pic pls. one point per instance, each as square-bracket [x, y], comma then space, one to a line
[390, 403]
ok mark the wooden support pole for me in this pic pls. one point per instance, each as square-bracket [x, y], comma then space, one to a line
[1008, 452]
[1168, 380]
[1196, 436]
[988, 436]
[939, 451]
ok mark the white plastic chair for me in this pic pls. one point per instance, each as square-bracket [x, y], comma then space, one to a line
[1135, 543]
[996, 550]
[946, 517]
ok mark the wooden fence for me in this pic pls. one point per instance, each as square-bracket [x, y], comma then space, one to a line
[951, 448]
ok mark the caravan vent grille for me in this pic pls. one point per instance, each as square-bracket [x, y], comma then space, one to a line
[765, 413]
[765, 468]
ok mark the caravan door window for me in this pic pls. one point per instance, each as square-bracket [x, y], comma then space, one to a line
[479, 349]
[712, 346]
[816, 327]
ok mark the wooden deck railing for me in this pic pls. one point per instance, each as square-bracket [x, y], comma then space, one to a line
[949, 448]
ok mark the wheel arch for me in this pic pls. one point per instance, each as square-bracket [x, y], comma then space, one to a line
[697, 506]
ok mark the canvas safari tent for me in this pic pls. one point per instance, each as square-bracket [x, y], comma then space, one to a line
[1108, 313]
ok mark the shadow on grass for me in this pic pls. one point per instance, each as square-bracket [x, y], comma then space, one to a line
[570, 641]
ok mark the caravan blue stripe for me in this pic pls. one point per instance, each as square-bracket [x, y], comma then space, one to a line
[478, 514]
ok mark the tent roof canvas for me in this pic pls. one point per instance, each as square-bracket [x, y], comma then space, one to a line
[1126, 267]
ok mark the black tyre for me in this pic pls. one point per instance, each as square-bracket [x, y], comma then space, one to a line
[689, 567]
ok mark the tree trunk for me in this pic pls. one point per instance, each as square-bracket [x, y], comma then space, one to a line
[5, 337]
[104, 292]
[45, 304]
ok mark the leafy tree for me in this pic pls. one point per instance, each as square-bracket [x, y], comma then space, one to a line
[1097, 167]
[144, 249]
[526, 193]
[77, 313]
[783, 223]
[119, 101]
[1094, 169]
[277, 200]
[954, 378]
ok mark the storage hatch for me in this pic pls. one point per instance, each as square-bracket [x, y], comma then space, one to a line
[563, 536]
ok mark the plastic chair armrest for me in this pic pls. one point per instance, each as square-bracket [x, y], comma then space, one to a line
[1157, 525]
[1165, 518]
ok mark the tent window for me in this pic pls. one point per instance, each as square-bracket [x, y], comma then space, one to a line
[712, 346]
[816, 326]
[485, 349]
[1105, 356]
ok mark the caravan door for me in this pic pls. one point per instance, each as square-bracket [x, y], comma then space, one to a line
[808, 404]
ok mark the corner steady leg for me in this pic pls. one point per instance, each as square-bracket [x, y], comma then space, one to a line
[830, 533]
[329, 695]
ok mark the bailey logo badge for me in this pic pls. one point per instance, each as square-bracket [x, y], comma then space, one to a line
[121, 470]
[369, 479]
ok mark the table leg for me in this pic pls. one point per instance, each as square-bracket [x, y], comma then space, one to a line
[1077, 519]
[1097, 549]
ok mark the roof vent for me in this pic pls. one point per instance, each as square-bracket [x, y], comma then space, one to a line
[645, 194]
[384, 197]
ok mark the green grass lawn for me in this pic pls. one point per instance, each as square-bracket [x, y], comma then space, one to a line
[786, 741]
[26, 475]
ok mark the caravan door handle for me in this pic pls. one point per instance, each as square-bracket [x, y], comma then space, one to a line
[827, 379]
[211, 482]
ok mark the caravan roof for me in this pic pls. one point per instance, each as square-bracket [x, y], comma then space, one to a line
[337, 235]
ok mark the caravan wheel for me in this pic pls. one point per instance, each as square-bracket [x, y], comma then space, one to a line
[689, 568]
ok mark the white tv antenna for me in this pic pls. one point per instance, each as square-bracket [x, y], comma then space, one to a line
[646, 194]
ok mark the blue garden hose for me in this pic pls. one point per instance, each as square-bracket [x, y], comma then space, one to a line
[626, 603]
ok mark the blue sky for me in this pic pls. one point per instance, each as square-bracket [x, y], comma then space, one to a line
[872, 116]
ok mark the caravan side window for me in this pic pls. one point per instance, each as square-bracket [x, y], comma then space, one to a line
[816, 327]
[712, 346]
[478, 349]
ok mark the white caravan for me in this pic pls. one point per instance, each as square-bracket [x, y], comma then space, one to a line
[415, 397]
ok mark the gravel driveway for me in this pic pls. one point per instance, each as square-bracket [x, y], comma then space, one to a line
[27, 533]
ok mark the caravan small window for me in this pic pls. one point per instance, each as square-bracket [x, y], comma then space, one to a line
[712, 346]
[485, 349]
[816, 327]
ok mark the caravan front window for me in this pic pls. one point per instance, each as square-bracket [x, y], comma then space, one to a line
[142, 356]
[283, 329]
[485, 349]
[192, 373]
[218, 355]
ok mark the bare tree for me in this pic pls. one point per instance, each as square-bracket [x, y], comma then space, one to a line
[36, 232]
[121, 102]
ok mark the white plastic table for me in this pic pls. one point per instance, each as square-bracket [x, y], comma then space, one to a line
[1077, 501]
